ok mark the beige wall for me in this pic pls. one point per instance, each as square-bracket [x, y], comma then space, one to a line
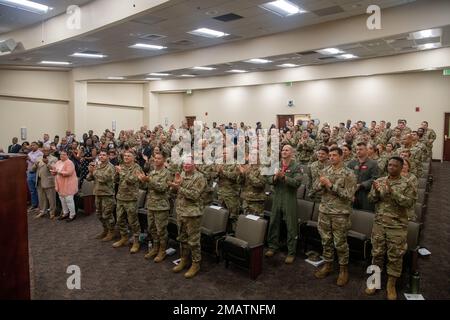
[388, 97]
[171, 109]
[100, 118]
[122, 94]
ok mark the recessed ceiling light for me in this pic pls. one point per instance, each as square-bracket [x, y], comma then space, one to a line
[204, 68]
[116, 78]
[427, 46]
[147, 46]
[89, 55]
[328, 51]
[258, 61]
[27, 6]
[429, 33]
[347, 56]
[61, 63]
[288, 65]
[209, 33]
[152, 79]
[156, 74]
[237, 71]
[187, 75]
[429, 69]
[282, 8]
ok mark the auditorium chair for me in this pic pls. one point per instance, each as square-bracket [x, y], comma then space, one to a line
[301, 192]
[172, 226]
[142, 210]
[421, 196]
[419, 212]
[410, 259]
[87, 195]
[309, 233]
[246, 247]
[423, 183]
[214, 228]
[360, 233]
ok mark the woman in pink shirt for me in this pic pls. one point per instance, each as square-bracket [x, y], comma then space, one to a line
[66, 184]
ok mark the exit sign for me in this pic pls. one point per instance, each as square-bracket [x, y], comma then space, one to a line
[446, 72]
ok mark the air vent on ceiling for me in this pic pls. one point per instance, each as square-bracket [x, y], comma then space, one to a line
[428, 40]
[228, 17]
[326, 58]
[328, 11]
[183, 42]
[151, 37]
[90, 52]
[306, 53]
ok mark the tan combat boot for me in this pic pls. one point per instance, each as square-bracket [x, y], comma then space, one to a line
[270, 253]
[40, 215]
[370, 292]
[152, 252]
[162, 252]
[122, 242]
[136, 246]
[52, 215]
[324, 271]
[289, 260]
[103, 234]
[109, 236]
[342, 279]
[391, 291]
[183, 261]
[193, 270]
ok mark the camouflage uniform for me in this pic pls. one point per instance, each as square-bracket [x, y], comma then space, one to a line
[209, 172]
[305, 151]
[314, 170]
[228, 191]
[158, 205]
[429, 134]
[253, 195]
[390, 228]
[334, 212]
[284, 207]
[189, 206]
[103, 177]
[127, 197]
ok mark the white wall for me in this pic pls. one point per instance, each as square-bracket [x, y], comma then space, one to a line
[387, 97]
[171, 109]
[123, 94]
[100, 118]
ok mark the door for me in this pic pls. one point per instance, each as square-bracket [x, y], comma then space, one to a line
[447, 137]
[190, 121]
[283, 119]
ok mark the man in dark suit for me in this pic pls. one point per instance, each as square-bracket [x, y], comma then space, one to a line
[15, 147]
[366, 171]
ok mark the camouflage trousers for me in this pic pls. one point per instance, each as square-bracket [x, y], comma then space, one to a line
[189, 233]
[231, 203]
[208, 197]
[127, 211]
[253, 207]
[333, 231]
[104, 208]
[157, 225]
[394, 243]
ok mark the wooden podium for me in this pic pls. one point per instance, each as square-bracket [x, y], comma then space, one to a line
[14, 263]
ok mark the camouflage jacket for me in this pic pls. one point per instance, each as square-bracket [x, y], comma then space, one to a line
[228, 180]
[128, 182]
[254, 184]
[338, 198]
[391, 208]
[158, 190]
[103, 177]
[189, 201]
[305, 150]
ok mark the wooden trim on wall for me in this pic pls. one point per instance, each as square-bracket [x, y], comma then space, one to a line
[35, 99]
[103, 104]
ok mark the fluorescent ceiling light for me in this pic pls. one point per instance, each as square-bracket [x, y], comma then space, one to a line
[151, 79]
[237, 71]
[147, 46]
[258, 61]
[282, 8]
[209, 33]
[61, 63]
[27, 6]
[429, 33]
[116, 78]
[328, 51]
[156, 74]
[430, 69]
[204, 68]
[347, 56]
[427, 46]
[89, 55]
[187, 75]
[288, 65]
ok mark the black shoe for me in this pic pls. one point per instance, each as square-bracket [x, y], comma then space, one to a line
[62, 217]
[71, 219]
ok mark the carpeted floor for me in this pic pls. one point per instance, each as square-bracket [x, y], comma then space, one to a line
[108, 273]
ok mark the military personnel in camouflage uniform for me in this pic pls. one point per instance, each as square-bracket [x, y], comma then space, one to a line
[337, 185]
[127, 196]
[253, 189]
[305, 148]
[158, 207]
[314, 172]
[347, 154]
[285, 183]
[228, 192]
[393, 196]
[189, 186]
[428, 137]
[103, 176]
[412, 179]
